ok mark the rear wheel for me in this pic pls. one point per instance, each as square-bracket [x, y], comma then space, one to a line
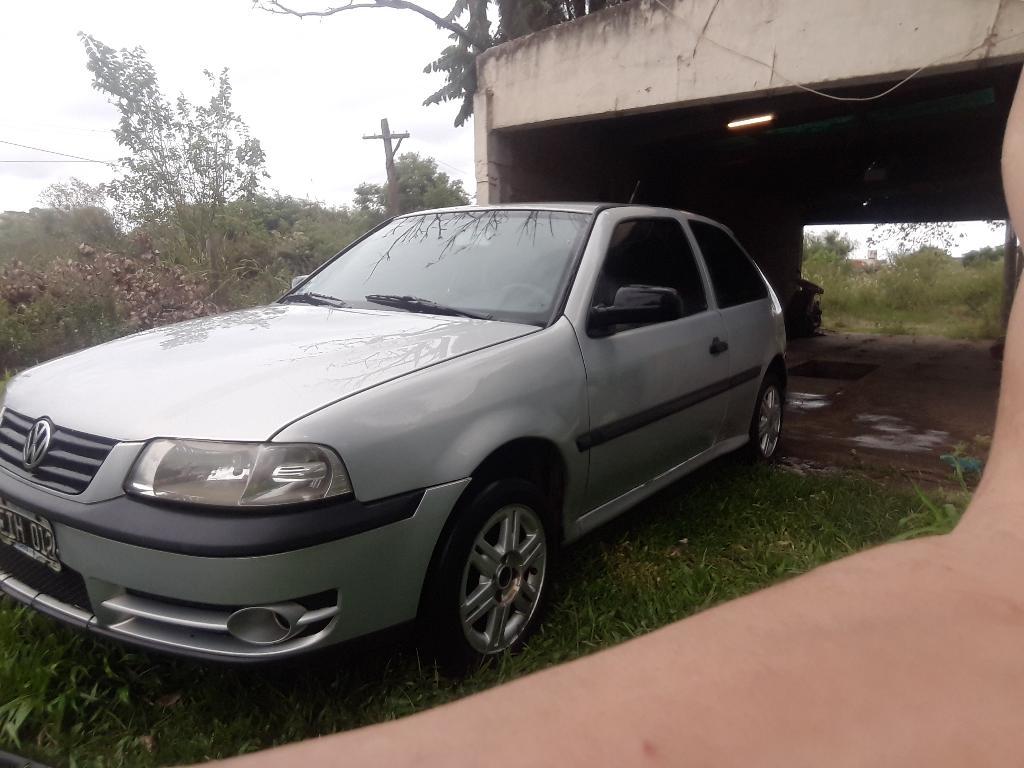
[766, 424]
[488, 586]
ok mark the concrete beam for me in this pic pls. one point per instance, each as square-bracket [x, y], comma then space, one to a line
[651, 54]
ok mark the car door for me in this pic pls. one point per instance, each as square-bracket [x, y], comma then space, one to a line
[744, 300]
[652, 388]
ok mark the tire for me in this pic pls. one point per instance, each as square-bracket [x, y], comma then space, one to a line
[488, 583]
[766, 421]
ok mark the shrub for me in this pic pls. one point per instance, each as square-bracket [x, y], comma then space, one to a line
[34, 238]
[71, 304]
[51, 305]
[925, 291]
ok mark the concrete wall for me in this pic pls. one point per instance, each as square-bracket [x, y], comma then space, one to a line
[650, 55]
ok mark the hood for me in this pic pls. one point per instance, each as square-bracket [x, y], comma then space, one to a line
[242, 375]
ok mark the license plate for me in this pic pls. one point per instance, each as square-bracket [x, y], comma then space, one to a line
[29, 534]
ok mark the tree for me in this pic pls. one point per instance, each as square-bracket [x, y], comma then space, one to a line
[73, 194]
[918, 234]
[830, 248]
[421, 186]
[469, 25]
[990, 253]
[185, 161]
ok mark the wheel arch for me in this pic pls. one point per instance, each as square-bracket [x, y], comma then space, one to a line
[777, 366]
[535, 459]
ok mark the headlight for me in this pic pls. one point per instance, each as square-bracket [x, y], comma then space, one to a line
[237, 474]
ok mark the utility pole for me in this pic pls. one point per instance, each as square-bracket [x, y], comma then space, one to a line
[389, 159]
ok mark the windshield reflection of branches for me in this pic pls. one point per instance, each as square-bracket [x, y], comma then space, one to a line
[455, 233]
[530, 224]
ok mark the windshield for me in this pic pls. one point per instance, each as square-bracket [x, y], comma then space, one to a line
[504, 264]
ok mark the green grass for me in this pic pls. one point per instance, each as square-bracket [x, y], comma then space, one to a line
[923, 293]
[67, 699]
[947, 323]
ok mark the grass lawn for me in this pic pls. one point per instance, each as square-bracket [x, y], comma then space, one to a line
[66, 699]
[948, 322]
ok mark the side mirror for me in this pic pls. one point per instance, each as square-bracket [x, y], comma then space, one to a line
[298, 280]
[637, 305]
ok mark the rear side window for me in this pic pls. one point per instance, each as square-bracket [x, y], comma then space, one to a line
[734, 277]
[651, 252]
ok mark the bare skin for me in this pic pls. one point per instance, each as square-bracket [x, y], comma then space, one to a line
[909, 654]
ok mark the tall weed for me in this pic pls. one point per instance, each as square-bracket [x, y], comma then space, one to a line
[925, 292]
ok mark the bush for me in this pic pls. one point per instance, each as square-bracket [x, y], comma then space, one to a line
[71, 304]
[926, 291]
[35, 237]
[51, 305]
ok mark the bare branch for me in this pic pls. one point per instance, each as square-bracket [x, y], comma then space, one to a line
[274, 6]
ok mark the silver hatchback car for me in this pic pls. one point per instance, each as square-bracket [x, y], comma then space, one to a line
[412, 432]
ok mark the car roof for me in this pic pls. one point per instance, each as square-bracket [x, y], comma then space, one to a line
[573, 207]
[567, 207]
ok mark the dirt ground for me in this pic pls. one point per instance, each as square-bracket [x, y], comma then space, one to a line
[889, 405]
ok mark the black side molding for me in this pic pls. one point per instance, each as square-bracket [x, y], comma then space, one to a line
[636, 421]
[213, 532]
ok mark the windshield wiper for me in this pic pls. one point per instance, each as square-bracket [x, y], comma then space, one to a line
[415, 304]
[316, 299]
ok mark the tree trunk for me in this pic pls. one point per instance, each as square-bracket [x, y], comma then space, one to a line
[216, 263]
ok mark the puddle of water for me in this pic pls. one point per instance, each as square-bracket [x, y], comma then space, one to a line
[807, 401]
[891, 433]
[832, 369]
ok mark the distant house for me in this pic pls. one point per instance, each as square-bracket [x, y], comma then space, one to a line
[870, 264]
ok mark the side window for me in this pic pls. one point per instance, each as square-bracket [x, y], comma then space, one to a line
[651, 252]
[734, 277]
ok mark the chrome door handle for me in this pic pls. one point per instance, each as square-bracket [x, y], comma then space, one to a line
[718, 346]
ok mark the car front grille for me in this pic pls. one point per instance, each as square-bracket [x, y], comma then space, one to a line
[69, 466]
[67, 586]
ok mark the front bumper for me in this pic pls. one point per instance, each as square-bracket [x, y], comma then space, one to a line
[180, 602]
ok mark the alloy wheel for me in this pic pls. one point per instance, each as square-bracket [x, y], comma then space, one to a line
[769, 422]
[502, 579]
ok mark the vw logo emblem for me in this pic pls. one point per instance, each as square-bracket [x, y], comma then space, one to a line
[37, 443]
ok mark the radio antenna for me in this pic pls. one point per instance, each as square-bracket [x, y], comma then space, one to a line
[636, 190]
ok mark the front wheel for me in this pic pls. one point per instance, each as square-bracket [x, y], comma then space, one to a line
[488, 584]
[766, 424]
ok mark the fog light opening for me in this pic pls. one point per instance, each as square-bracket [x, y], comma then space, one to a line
[265, 625]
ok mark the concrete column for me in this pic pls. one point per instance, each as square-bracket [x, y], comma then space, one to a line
[771, 229]
[492, 153]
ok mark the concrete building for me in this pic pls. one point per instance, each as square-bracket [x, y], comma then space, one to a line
[641, 94]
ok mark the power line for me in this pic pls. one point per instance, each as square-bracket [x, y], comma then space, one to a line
[54, 152]
[449, 165]
[53, 126]
[55, 161]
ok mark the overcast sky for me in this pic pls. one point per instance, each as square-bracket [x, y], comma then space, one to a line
[309, 89]
[965, 236]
